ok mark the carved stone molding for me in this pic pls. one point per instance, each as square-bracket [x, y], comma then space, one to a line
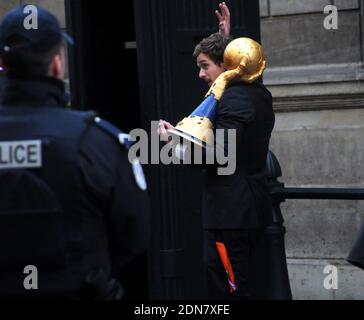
[316, 87]
[313, 103]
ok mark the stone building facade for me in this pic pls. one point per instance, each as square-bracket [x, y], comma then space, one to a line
[317, 80]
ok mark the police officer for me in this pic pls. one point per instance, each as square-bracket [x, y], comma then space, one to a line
[73, 207]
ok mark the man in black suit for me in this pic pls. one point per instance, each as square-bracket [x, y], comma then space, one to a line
[236, 208]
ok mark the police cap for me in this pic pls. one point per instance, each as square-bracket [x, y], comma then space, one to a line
[16, 35]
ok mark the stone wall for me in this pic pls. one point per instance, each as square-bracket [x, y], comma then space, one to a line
[317, 80]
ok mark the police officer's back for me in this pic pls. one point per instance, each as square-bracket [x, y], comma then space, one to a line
[73, 208]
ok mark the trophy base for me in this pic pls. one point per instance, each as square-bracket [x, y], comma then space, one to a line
[184, 135]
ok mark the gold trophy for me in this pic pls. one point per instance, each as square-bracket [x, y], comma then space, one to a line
[244, 60]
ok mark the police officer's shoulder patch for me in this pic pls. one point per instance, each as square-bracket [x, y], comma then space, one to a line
[123, 139]
[139, 174]
[114, 131]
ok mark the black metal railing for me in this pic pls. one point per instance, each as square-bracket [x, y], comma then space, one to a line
[279, 283]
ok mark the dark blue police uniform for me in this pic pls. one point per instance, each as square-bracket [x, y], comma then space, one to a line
[71, 203]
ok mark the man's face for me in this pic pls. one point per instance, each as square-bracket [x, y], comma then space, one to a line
[209, 70]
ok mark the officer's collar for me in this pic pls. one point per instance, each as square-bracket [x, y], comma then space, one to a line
[35, 92]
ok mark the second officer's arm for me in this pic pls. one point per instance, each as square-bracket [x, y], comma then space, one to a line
[118, 191]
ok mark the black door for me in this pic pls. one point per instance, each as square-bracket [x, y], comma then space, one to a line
[103, 77]
[167, 31]
[103, 60]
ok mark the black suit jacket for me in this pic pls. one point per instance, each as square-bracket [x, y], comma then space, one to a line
[241, 200]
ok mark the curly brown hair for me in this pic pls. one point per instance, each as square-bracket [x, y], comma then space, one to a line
[213, 46]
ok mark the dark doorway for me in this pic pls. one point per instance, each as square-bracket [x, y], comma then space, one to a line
[103, 77]
[103, 60]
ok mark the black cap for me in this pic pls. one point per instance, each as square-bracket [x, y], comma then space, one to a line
[15, 35]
